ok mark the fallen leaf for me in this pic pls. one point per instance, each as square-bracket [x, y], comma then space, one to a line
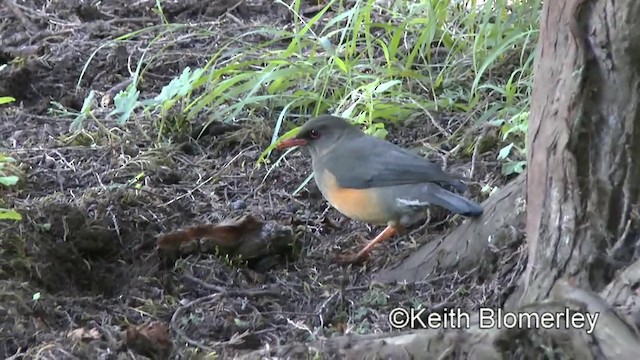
[152, 340]
[82, 334]
[246, 238]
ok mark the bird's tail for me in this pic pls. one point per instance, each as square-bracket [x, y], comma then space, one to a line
[456, 203]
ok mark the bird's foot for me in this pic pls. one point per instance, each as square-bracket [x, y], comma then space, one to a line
[351, 258]
[362, 238]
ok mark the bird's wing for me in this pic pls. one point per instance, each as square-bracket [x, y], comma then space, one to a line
[368, 162]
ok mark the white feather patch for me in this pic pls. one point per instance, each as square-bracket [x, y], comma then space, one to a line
[412, 202]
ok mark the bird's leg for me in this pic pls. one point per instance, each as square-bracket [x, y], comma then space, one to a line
[384, 235]
[388, 232]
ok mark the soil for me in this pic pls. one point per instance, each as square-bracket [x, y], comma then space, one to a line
[80, 275]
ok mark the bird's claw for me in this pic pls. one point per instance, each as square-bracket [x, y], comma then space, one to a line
[363, 239]
[351, 258]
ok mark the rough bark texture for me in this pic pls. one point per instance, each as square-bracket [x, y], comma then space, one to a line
[582, 202]
[584, 152]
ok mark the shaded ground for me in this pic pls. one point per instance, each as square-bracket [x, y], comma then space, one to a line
[87, 242]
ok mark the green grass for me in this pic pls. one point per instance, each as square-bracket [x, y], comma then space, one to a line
[8, 171]
[371, 63]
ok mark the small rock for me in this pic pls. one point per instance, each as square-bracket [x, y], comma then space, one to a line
[49, 162]
[238, 205]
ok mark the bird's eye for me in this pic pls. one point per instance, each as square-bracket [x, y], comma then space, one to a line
[314, 134]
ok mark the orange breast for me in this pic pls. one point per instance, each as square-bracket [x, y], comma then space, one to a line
[358, 204]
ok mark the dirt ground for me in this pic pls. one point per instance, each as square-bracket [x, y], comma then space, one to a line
[82, 267]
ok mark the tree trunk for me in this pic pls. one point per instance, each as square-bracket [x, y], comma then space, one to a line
[583, 187]
[584, 152]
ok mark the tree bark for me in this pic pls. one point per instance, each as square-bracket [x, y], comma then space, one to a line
[582, 188]
[584, 152]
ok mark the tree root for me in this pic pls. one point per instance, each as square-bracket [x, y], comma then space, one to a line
[465, 247]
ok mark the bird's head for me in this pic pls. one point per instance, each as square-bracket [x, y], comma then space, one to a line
[321, 133]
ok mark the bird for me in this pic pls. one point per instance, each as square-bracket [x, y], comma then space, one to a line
[371, 180]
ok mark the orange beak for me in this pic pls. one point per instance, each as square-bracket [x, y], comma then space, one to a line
[284, 144]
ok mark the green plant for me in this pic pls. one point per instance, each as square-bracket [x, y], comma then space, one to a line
[371, 62]
[515, 129]
[6, 100]
[486, 68]
[7, 178]
[7, 172]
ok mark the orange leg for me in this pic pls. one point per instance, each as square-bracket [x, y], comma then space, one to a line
[362, 254]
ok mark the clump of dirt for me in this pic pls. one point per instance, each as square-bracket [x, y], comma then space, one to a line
[81, 276]
[80, 254]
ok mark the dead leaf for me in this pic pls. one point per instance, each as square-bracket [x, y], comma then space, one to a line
[152, 340]
[172, 241]
[246, 237]
[82, 334]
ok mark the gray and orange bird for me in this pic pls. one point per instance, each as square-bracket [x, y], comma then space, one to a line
[374, 181]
